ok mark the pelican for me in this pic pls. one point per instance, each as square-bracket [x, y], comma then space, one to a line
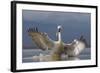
[43, 41]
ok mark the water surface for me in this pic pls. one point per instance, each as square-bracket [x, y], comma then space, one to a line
[28, 55]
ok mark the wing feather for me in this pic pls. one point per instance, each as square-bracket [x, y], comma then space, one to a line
[41, 39]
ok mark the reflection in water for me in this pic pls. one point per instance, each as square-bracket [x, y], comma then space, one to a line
[65, 57]
[45, 58]
[73, 58]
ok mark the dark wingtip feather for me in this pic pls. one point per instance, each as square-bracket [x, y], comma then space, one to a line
[30, 30]
[84, 40]
[35, 29]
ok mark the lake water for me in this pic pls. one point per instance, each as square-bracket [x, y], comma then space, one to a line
[28, 54]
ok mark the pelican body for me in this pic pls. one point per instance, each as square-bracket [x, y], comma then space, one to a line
[58, 47]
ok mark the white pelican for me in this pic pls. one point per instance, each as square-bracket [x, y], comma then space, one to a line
[58, 47]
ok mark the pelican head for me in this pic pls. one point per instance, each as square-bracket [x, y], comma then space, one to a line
[59, 28]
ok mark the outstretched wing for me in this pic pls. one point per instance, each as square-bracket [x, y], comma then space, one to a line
[41, 39]
[76, 47]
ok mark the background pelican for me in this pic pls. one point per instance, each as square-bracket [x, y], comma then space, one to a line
[58, 47]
